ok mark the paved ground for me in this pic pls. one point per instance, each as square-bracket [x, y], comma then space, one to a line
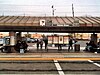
[50, 67]
[50, 55]
[32, 48]
[53, 62]
[77, 63]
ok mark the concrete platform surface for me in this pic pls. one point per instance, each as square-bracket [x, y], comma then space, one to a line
[51, 55]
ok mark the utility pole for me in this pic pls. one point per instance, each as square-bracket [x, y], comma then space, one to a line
[53, 10]
[73, 10]
[73, 17]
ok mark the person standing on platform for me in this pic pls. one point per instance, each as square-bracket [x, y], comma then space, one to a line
[18, 46]
[41, 43]
[24, 46]
[45, 39]
[37, 44]
[70, 44]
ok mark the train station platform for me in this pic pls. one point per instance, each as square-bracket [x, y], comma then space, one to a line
[77, 63]
[50, 55]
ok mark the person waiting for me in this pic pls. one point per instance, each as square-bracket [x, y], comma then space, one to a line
[70, 44]
[39, 43]
[18, 46]
[93, 47]
[45, 39]
[24, 44]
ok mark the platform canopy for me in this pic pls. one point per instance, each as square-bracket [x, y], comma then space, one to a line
[35, 21]
[50, 24]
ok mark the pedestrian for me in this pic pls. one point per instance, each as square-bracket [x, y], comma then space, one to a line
[93, 47]
[45, 39]
[18, 46]
[24, 44]
[41, 43]
[59, 47]
[37, 44]
[70, 44]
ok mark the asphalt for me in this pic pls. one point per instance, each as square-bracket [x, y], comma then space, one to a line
[72, 63]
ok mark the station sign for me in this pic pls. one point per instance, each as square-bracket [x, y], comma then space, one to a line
[42, 22]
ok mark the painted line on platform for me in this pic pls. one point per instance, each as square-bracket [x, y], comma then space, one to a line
[59, 69]
[30, 58]
[94, 63]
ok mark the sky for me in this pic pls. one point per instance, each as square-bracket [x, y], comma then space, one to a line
[43, 7]
[49, 2]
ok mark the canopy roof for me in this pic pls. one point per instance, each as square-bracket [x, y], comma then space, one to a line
[35, 21]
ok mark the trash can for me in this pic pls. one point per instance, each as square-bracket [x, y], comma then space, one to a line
[21, 50]
[77, 47]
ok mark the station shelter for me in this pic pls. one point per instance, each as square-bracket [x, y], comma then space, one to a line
[17, 24]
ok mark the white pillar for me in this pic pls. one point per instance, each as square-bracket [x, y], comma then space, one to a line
[12, 38]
